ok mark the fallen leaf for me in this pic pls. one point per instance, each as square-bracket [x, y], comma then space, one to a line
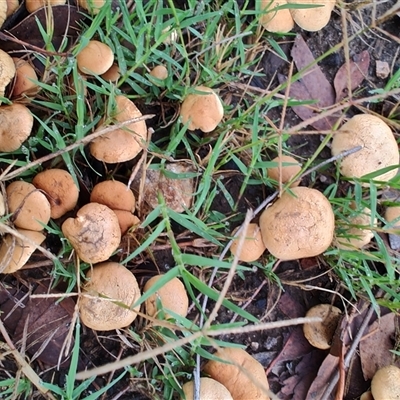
[320, 383]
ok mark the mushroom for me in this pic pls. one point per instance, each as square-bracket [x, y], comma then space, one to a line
[209, 389]
[111, 292]
[12, 6]
[16, 122]
[93, 6]
[121, 144]
[112, 74]
[25, 77]
[94, 233]
[202, 109]
[299, 224]
[385, 383]
[60, 188]
[172, 296]
[95, 59]
[34, 5]
[15, 252]
[160, 72]
[126, 220]
[392, 214]
[315, 18]
[241, 374]
[253, 245]
[278, 20]
[379, 147]
[286, 169]
[320, 334]
[29, 206]
[366, 396]
[7, 66]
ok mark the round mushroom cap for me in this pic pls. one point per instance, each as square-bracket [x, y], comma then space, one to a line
[241, 385]
[172, 296]
[300, 224]
[94, 233]
[289, 167]
[12, 6]
[392, 213]
[385, 383]
[93, 6]
[114, 194]
[113, 290]
[366, 396]
[60, 188]
[14, 252]
[312, 19]
[24, 77]
[276, 21]
[320, 334]
[379, 147]
[112, 74]
[159, 72]
[253, 245]
[122, 144]
[126, 220]
[34, 5]
[95, 59]
[209, 389]
[7, 66]
[202, 110]
[30, 207]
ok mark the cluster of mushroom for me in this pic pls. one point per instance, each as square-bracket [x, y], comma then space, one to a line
[313, 18]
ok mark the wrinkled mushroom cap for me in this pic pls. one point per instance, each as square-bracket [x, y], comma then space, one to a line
[241, 385]
[34, 5]
[93, 6]
[253, 245]
[7, 66]
[95, 59]
[30, 207]
[209, 389]
[320, 334]
[202, 110]
[379, 147]
[385, 383]
[315, 18]
[106, 281]
[172, 295]
[24, 77]
[289, 167]
[94, 233]
[276, 21]
[298, 225]
[14, 252]
[122, 144]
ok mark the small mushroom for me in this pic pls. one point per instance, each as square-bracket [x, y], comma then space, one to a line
[299, 224]
[393, 213]
[121, 144]
[320, 334]
[126, 220]
[34, 5]
[241, 374]
[287, 168]
[253, 245]
[29, 206]
[24, 77]
[15, 252]
[385, 383]
[379, 147]
[94, 233]
[7, 66]
[209, 389]
[112, 74]
[93, 6]
[172, 296]
[202, 109]
[112, 290]
[160, 72]
[60, 188]
[95, 59]
[278, 20]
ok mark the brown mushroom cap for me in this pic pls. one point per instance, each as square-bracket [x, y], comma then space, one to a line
[114, 194]
[315, 18]
[159, 72]
[209, 389]
[202, 110]
[122, 144]
[241, 382]
[30, 207]
[24, 77]
[60, 188]
[7, 66]
[95, 59]
[12, 6]
[126, 220]
[34, 5]
[112, 74]
[172, 295]
[320, 334]
[15, 252]
[379, 147]
[289, 167]
[392, 213]
[112, 286]
[93, 6]
[298, 225]
[94, 233]
[276, 21]
[253, 246]
[385, 383]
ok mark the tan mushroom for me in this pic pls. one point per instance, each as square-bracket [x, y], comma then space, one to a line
[278, 20]
[202, 109]
[60, 188]
[392, 214]
[209, 389]
[126, 220]
[253, 245]
[111, 292]
[7, 66]
[385, 383]
[160, 72]
[121, 144]
[94, 233]
[25, 78]
[95, 59]
[300, 224]
[29, 206]
[112, 74]
[286, 169]
[93, 6]
[34, 5]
